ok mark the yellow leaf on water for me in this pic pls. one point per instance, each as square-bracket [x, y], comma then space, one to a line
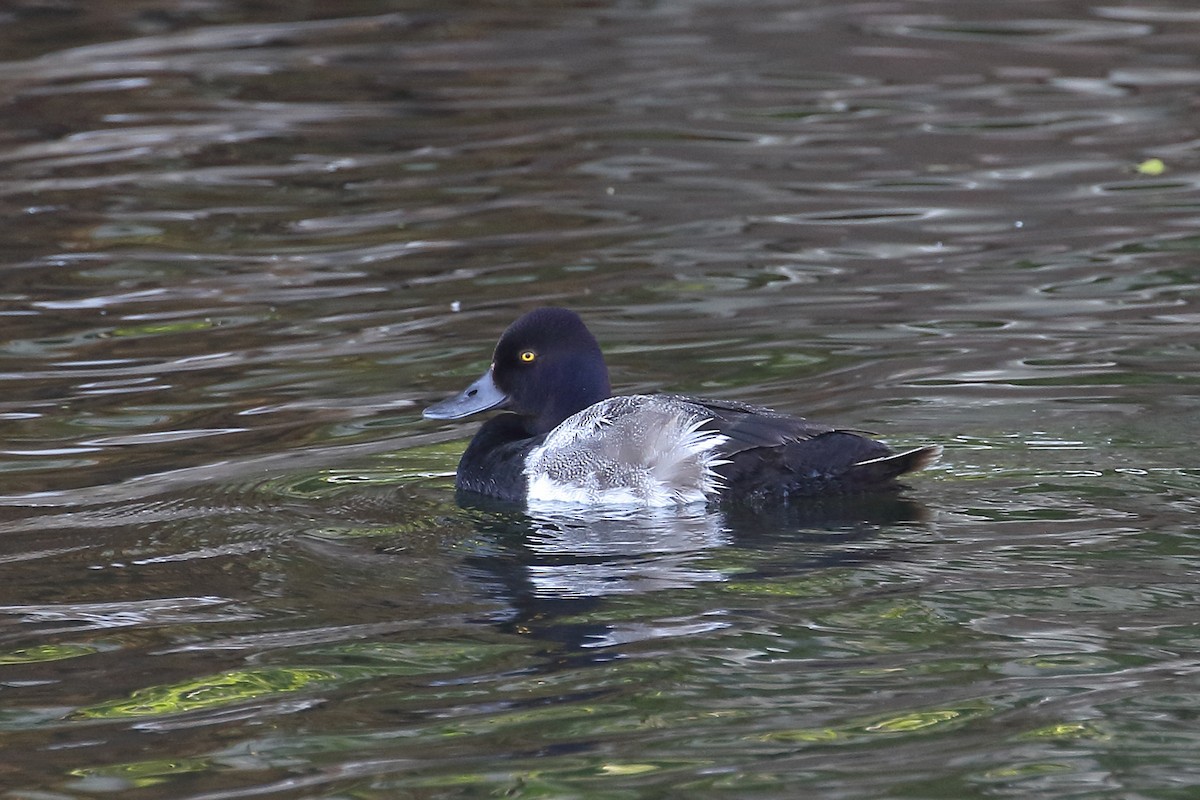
[627, 769]
[1152, 167]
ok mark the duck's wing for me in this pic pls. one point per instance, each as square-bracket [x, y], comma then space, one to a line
[770, 453]
[747, 426]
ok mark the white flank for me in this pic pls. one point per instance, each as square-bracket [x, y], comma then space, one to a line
[639, 450]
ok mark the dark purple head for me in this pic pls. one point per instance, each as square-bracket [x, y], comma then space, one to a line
[546, 366]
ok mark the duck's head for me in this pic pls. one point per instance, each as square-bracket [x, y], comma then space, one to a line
[547, 365]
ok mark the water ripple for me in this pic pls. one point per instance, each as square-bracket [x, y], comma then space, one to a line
[247, 247]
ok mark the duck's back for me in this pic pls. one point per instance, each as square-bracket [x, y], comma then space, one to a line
[659, 450]
[769, 456]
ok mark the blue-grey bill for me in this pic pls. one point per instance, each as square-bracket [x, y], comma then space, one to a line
[481, 395]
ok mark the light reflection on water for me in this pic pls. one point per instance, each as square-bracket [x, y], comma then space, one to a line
[245, 248]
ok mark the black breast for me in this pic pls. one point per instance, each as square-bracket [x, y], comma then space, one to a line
[494, 462]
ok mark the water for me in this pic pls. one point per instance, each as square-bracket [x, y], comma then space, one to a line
[232, 560]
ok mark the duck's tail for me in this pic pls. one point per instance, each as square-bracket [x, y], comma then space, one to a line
[885, 469]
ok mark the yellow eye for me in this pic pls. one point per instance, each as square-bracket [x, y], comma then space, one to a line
[527, 356]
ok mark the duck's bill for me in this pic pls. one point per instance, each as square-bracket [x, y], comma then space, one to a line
[482, 395]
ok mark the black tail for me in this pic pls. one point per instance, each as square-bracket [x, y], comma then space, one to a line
[882, 471]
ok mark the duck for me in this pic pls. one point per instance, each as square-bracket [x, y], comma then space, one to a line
[562, 436]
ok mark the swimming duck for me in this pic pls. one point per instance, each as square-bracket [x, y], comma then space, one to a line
[563, 436]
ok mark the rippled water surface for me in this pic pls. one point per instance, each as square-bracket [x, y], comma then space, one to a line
[245, 244]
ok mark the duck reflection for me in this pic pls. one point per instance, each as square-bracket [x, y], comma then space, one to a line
[621, 552]
[558, 565]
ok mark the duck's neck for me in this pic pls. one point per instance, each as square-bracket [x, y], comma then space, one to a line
[577, 391]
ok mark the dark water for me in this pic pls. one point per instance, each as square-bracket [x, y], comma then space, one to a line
[243, 246]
